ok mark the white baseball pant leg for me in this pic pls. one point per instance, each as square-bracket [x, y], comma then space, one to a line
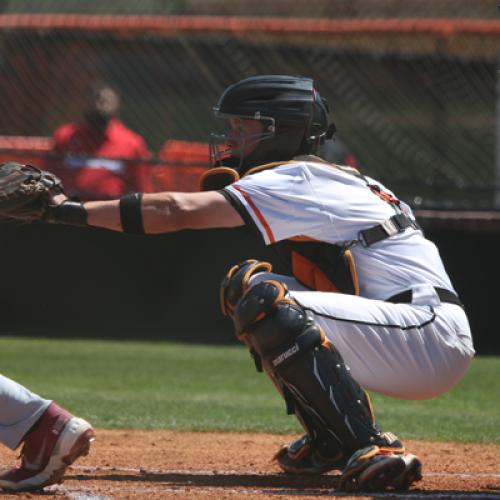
[407, 351]
[19, 411]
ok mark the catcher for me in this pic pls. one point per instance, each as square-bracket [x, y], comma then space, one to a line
[367, 304]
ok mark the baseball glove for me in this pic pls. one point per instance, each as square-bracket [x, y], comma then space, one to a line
[26, 191]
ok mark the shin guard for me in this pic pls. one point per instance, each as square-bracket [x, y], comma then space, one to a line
[298, 357]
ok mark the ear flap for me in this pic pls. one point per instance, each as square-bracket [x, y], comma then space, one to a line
[319, 129]
[218, 178]
[330, 131]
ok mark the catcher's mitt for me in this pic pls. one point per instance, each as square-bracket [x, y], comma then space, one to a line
[26, 191]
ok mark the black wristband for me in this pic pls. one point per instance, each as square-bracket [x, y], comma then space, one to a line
[131, 213]
[68, 212]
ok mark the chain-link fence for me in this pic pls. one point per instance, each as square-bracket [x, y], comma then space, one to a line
[414, 99]
[330, 9]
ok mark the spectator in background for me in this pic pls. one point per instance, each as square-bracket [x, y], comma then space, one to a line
[95, 151]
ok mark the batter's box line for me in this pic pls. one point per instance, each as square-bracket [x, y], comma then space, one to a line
[210, 482]
[200, 472]
[78, 494]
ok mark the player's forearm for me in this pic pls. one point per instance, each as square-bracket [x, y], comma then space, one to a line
[153, 213]
[159, 213]
[105, 214]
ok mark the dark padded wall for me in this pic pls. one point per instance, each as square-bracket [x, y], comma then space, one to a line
[64, 281]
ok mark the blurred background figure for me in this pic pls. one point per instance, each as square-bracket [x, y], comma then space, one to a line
[97, 153]
[335, 151]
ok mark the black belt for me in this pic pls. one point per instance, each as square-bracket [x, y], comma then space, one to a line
[443, 294]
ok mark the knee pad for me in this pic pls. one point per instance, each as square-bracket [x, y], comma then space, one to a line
[277, 326]
[237, 281]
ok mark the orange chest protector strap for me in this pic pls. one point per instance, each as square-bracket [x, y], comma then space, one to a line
[320, 266]
[218, 178]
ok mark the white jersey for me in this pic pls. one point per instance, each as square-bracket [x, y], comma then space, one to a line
[413, 350]
[313, 199]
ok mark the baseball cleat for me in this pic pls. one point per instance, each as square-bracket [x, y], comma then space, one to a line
[376, 469]
[55, 442]
[300, 457]
[411, 474]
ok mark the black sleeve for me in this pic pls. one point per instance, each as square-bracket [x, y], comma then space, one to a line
[240, 208]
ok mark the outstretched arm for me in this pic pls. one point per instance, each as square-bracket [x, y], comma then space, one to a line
[167, 212]
[28, 193]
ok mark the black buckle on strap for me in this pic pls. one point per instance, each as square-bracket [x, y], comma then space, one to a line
[387, 228]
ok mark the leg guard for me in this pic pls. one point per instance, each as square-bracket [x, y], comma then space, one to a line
[234, 285]
[302, 362]
[237, 281]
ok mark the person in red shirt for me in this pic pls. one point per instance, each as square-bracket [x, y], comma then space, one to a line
[94, 154]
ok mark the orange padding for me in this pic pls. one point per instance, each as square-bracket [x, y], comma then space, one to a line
[179, 168]
[24, 149]
[25, 143]
[184, 152]
[172, 25]
[310, 274]
[182, 165]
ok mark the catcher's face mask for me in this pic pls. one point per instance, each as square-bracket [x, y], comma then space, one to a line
[242, 137]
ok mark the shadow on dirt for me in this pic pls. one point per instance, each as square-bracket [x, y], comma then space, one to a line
[274, 484]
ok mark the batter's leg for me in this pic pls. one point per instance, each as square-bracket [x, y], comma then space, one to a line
[52, 437]
[19, 410]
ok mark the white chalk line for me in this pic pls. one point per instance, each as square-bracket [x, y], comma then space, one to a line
[270, 491]
[213, 472]
[210, 491]
[76, 492]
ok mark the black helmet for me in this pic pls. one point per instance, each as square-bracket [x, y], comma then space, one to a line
[294, 115]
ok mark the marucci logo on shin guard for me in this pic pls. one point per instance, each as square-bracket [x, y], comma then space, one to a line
[285, 355]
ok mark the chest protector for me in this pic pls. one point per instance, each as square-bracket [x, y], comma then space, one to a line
[319, 266]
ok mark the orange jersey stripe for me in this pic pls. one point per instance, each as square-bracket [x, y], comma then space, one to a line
[258, 213]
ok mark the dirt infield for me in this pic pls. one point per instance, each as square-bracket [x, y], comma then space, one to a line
[127, 464]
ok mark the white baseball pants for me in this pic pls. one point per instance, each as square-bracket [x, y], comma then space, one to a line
[407, 351]
[19, 410]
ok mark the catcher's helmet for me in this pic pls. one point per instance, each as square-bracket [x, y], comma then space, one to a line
[293, 114]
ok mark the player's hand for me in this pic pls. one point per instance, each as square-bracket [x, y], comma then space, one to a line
[26, 191]
[58, 198]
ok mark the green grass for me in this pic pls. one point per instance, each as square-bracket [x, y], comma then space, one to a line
[131, 384]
